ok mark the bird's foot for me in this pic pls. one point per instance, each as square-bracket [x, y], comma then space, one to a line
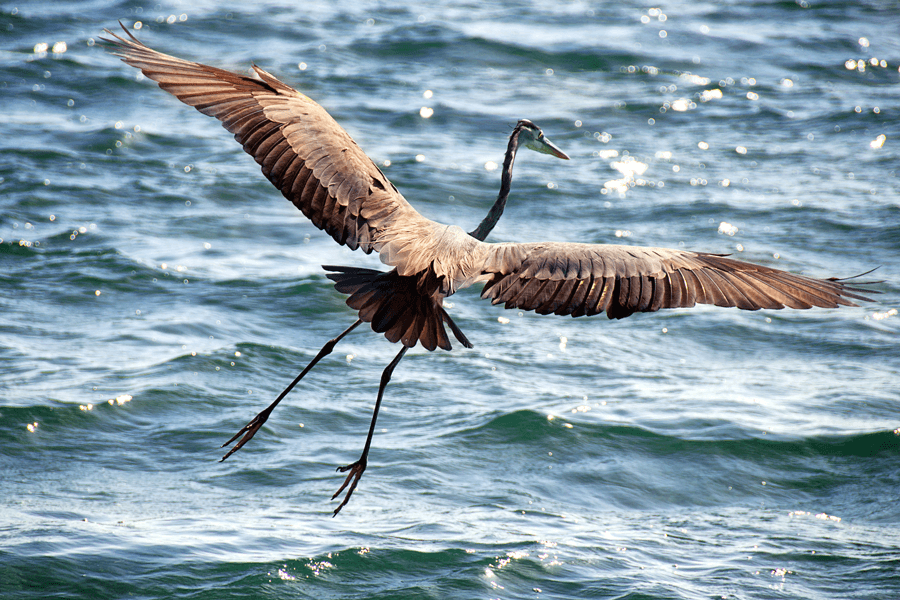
[248, 431]
[356, 470]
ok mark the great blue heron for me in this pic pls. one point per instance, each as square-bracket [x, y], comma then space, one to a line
[318, 167]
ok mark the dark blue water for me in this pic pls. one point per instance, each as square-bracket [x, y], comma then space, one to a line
[156, 293]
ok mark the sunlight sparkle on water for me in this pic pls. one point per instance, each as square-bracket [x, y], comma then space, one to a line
[727, 228]
[822, 516]
[878, 142]
[861, 64]
[318, 566]
[629, 167]
[121, 399]
[694, 79]
[880, 316]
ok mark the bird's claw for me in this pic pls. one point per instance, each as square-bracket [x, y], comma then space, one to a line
[356, 470]
[248, 431]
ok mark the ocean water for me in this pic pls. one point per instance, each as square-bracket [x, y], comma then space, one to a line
[156, 293]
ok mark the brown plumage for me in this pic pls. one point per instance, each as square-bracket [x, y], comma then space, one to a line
[587, 279]
[320, 169]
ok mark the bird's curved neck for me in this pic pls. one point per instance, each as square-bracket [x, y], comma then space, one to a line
[486, 225]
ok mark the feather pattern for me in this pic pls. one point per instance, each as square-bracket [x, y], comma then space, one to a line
[624, 280]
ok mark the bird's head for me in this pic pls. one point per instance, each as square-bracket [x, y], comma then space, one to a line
[533, 138]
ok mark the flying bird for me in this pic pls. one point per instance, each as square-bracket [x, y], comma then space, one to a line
[316, 165]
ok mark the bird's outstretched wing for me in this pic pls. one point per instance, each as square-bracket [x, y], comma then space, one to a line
[587, 279]
[301, 149]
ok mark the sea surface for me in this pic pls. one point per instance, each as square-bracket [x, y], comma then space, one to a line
[156, 292]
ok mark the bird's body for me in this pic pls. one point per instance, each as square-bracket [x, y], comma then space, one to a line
[319, 168]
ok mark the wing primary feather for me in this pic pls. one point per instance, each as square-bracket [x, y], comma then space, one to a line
[547, 298]
[732, 294]
[524, 290]
[609, 292]
[694, 290]
[646, 297]
[565, 303]
[660, 294]
[579, 296]
[677, 289]
[711, 292]
[623, 289]
[531, 296]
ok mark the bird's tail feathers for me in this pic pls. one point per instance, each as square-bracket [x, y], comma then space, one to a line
[396, 306]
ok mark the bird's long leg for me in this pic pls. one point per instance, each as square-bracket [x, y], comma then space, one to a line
[253, 426]
[356, 469]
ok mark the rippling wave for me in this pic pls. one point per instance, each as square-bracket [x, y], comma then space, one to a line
[156, 293]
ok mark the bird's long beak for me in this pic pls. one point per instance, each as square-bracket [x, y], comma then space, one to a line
[545, 146]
